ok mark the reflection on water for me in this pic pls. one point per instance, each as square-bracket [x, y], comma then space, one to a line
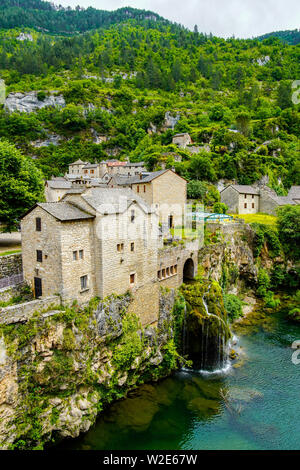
[254, 406]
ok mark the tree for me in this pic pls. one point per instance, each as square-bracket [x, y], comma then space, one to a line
[288, 224]
[196, 190]
[220, 208]
[21, 185]
[284, 95]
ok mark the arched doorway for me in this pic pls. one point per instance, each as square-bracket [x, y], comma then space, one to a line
[188, 269]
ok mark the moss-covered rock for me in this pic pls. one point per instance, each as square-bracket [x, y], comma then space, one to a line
[206, 332]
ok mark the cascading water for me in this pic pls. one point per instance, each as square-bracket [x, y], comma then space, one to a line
[206, 334]
[218, 361]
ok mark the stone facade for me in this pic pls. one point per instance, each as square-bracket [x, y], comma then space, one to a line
[182, 140]
[172, 260]
[110, 260]
[243, 199]
[168, 192]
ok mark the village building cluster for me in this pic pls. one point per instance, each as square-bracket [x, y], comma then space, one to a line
[95, 238]
[103, 229]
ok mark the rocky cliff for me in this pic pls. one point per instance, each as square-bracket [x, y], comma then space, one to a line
[228, 256]
[29, 102]
[58, 370]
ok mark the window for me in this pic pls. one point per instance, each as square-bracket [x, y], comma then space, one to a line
[83, 282]
[172, 269]
[131, 246]
[80, 254]
[168, 271]
[252, 196]
[252, 205]
[245, 196]
[163, 273]
[120, 247]
[245, 205]
[92, 172]
[137, 189]
[39, 256]
[38, 224]
[175, 268]
[75, 255]
[132, 278]
[159, 274]
[144, 188]
[132, 216]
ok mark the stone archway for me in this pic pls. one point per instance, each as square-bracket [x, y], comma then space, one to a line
[188, 269]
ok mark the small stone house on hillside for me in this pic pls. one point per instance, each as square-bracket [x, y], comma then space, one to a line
[244, 199]
[182, 140]
[241, 199]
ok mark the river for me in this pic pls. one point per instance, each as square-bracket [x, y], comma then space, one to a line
[254, 405]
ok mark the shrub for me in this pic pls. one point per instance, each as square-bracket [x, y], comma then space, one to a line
[233, 306]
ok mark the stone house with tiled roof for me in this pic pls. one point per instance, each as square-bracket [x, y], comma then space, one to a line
[246, 199]
[164, 189]
[93, 244]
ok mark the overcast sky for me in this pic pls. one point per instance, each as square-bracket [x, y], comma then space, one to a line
[242, 18]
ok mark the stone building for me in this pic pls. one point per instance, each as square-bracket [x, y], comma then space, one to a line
[56, 188]
[101, 241]
[244, 199]
[182, 140]
[93, 244]
[241, 199]
[164, 189]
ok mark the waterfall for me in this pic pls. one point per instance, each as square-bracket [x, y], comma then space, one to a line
[205, 334]
[214, 350]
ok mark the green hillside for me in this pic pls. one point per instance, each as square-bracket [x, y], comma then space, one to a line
[289, 37]
[234, 98]
[54, 19]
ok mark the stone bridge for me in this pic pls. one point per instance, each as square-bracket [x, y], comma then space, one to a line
[177, 263]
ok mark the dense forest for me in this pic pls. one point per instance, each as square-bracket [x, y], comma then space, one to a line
[59, 20]
[234, 97]
[290, 37]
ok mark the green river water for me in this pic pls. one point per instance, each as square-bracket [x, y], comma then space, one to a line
[254, 405]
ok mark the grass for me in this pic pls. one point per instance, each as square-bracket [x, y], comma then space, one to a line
[186, 233]
[258, 218]
[4, 253]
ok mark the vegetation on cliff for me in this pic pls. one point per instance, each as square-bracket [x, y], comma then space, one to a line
[21, 185]
[64, 368]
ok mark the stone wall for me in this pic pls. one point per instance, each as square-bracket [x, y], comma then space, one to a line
[10, 265]
[177, 256]
[7, 293]
[23, 312]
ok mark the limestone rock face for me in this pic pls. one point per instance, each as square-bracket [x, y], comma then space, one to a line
[29, 102]
[57, 371]
[170, 120]
[52, 139]
[233, 254]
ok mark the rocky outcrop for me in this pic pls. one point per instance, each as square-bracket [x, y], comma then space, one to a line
[229, 260]
[29, 102]
[52, 139]
[170, 120]
[25, 37]
[57, 371]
